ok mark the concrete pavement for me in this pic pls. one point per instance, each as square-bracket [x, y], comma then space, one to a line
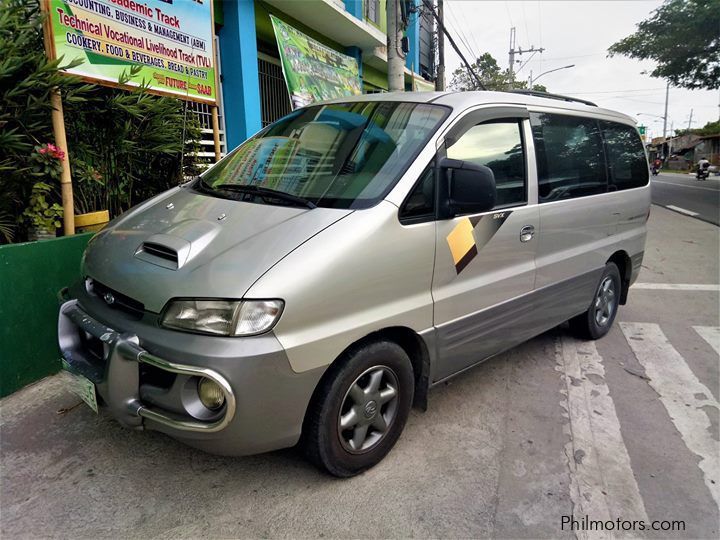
[684, 194]
[626, 427]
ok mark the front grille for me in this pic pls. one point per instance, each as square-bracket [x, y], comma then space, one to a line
[116, 299]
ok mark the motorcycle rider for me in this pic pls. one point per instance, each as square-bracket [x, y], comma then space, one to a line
[657, 163]
[703, 170]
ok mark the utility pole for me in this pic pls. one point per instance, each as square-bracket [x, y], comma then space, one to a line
[690, 121]
[440, 77]
[511, 59]
[513, 51]
[396, 73]
[667, 95]
[429, 6]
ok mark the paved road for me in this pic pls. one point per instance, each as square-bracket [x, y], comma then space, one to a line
[685, 194]
[625, 427]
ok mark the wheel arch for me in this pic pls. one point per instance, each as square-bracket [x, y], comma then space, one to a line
[624, 264]
[409, 340]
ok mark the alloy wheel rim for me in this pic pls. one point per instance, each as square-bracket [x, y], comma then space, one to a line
[605, 302]
[368, 409]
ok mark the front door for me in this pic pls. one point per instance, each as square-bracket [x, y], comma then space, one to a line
[485, 263]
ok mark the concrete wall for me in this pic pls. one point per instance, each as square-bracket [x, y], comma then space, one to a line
[30, 276]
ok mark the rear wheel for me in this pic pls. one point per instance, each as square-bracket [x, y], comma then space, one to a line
[360, 409]
[597, 320]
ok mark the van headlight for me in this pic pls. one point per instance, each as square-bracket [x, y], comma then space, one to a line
[223, 317]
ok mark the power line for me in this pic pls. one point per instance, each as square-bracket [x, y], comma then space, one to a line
[449, 24]
[636, 100]
[472, 35]
[527, 32]
[507, 8]
[539, 17]
[617, 91]
[575, 56]
[460, 32]
[452, 42]
[526, 61]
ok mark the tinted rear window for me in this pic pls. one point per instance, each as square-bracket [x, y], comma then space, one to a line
[570, 157]
[627, 164]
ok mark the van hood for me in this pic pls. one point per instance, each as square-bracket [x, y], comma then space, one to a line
[191, 245]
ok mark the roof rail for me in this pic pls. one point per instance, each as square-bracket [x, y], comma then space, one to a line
[537, 93]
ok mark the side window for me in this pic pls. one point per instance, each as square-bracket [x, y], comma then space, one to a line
[420, 204]
[570, 158]
[498, 145]
[627, 163]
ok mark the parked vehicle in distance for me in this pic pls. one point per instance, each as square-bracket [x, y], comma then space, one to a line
[320, 279]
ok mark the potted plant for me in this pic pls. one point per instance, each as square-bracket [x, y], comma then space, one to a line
[42, 216]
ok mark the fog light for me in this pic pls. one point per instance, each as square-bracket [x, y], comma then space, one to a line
[211, 395]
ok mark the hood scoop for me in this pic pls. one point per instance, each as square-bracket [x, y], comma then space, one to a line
[164, 250]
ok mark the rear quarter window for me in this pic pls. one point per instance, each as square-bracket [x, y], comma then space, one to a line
[627, 164]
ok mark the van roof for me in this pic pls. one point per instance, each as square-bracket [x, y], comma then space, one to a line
[464, 100]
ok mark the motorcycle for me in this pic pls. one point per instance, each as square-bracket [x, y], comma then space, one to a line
[703, 172]
[654, 170]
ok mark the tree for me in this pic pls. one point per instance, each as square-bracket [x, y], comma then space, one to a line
[491, 76]
[683, 37]
[711, 128]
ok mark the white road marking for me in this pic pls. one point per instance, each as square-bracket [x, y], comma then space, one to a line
[682, 210]
[602, 484]
[678, 286]
[711, 334]
[684, 185]
[682, 394]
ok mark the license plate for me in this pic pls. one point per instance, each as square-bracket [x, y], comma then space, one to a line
[83, 387]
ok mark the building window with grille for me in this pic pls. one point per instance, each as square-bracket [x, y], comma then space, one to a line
[372, 11]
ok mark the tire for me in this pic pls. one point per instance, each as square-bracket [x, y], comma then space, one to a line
[347, 394]
[599, 318]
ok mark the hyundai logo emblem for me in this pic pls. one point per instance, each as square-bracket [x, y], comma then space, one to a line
[370, 409]
[109, 298]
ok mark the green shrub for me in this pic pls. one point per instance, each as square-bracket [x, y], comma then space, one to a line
[26, 80]
[124, 146]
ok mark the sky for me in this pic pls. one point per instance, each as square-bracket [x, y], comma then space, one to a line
[576, 32]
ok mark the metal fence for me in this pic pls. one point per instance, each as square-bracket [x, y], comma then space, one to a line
[203, 113]
[274, 98]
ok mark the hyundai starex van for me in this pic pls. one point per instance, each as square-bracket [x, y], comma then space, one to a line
[316, 282]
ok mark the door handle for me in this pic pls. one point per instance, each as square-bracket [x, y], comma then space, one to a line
[527, 233]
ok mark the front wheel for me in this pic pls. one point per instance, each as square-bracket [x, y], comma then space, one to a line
[597, 320]
[360, 409]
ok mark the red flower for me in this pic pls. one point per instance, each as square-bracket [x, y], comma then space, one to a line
[53, 151]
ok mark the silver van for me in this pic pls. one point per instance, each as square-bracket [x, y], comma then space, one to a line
[314, 284]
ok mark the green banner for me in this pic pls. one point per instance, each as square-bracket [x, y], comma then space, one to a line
[314, 72]
[172, 41]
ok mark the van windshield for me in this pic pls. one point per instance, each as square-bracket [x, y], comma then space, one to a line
[345, 155]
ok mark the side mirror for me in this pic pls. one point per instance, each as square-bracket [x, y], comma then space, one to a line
[470, 187]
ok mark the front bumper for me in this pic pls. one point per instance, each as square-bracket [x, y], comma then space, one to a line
[121, 356]
[265, 401]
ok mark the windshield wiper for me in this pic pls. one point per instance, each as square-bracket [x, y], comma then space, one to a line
[267, 193]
